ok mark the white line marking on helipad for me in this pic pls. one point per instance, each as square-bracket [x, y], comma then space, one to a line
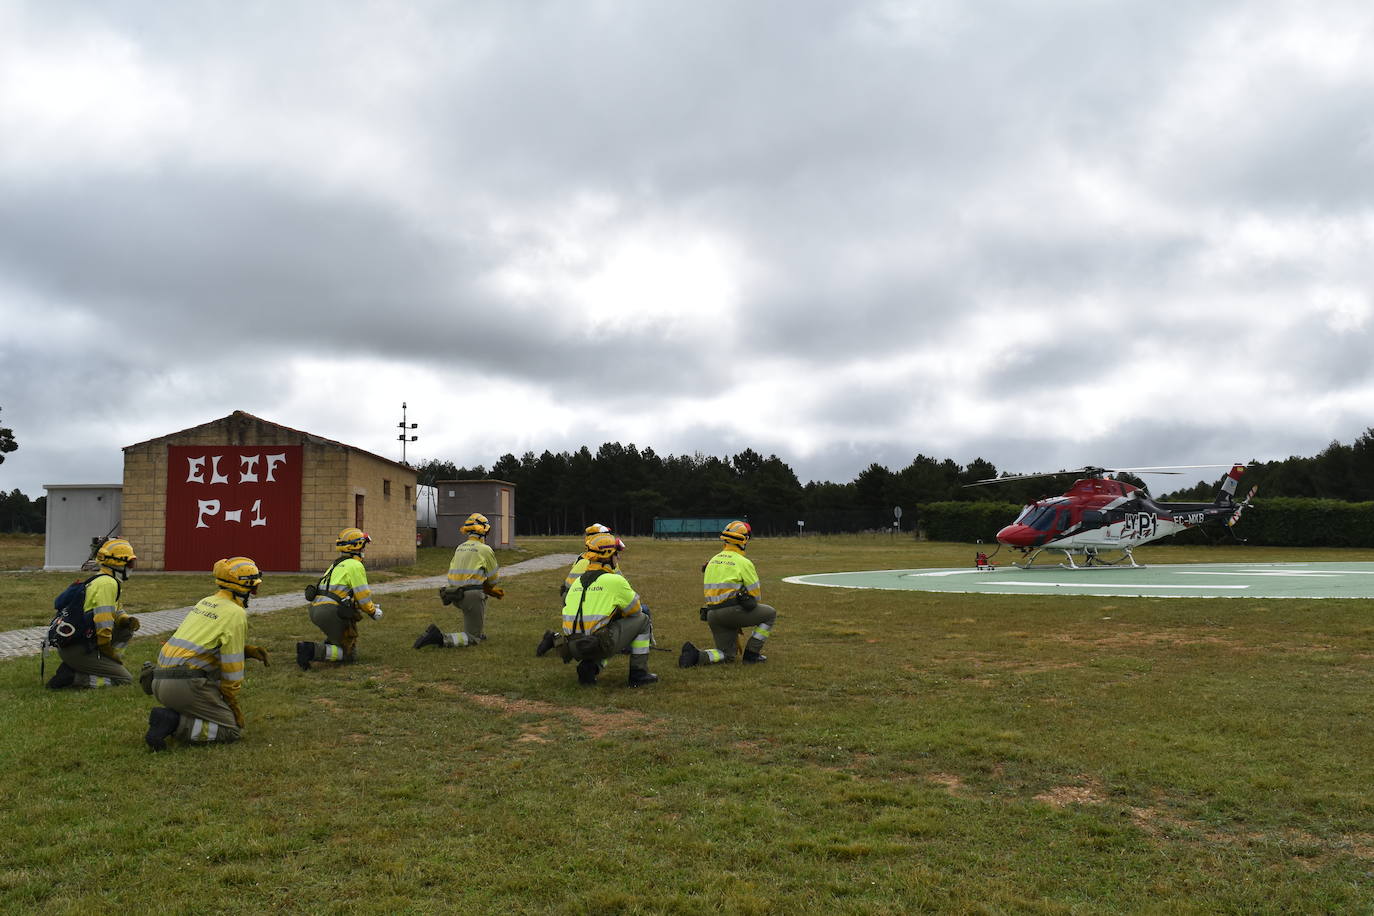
[946, 572]
[1109, 585]
[1271, 574]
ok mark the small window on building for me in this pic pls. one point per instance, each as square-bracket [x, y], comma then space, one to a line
[358, 511]
[410, 494]
[386, 489]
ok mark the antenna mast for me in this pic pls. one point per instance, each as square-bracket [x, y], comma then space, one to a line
[405, 429]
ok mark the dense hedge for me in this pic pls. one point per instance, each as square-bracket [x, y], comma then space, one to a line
[966, 522]
[1277, 522]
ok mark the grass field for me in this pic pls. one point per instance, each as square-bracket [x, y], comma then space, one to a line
[899, 752]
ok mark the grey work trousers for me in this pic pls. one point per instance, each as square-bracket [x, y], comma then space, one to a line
[728, 620]
[90, 666]
[205, 716]
[473, 604]
[338, 630]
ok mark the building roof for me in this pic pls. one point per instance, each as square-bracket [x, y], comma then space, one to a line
[241, 416]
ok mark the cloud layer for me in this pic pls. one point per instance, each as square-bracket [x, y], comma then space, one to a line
[1046, 234]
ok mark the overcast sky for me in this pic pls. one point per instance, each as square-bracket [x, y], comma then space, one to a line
[1043, 233]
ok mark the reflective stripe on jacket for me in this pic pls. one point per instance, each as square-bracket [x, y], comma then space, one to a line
[211, 639]
[102, 600]
[727, 574]
[610, 591]
[578, 568]
[473, 563]
[348, 580]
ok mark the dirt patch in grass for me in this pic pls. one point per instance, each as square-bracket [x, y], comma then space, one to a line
[597, 723]
[948, 781]
[1063, 796]
[1154, 638]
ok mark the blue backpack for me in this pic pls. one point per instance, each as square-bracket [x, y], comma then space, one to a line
[73, 624]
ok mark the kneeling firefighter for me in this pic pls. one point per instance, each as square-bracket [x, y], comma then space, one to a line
[577, 569]
[603, 616]
[200, 669]
[100, 662]
[339, 601]
[731, 587]
[473, 575]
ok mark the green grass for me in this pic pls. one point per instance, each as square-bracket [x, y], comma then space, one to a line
[899, 752]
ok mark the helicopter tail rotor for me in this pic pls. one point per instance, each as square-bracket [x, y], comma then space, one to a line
[1241, 507]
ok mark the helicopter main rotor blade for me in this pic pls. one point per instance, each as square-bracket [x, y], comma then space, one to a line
[1095, 471]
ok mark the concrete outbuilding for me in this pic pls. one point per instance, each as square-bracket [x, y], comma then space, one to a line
[460, 498]
[241, 485]
[77, 515]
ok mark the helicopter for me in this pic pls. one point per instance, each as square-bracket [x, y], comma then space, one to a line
[1100, 514]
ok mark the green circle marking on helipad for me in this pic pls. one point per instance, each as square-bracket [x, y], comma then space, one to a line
[1183, 580]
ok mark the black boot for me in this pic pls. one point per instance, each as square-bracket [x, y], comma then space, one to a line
[430, 637]
[545, 644]
[753, 658]
[587, 670]
[305, 654]
[641, 677]
[689, 657]
[63, 677]
[161, 723]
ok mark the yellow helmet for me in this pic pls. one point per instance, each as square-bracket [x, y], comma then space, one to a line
[352, 541]
[603, 547]
[595, 529]
[238, 575]
[476, 524]
[118, 555]
[737, 533]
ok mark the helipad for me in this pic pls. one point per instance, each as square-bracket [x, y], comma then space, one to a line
[1185, 580]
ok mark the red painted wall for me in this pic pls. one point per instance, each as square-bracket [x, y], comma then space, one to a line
[225, 501]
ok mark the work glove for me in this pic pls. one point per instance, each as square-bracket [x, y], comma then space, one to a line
[231, 698]
[130, 622]
[377, 612]
[257, 652]
[495, 591]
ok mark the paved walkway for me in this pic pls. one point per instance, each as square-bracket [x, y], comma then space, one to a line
[16, 643]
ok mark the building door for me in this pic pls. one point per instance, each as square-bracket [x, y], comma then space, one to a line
[506, 520]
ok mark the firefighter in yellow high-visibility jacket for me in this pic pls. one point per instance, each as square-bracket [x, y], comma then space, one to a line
[102, 665]
[603, 616]
[343, 597]
[200, 669]
[730, 584]
[577, 569]
[473, 575]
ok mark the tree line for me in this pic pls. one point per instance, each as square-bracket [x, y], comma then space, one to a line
[627, 487]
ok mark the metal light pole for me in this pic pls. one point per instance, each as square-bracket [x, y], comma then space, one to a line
[405, 440]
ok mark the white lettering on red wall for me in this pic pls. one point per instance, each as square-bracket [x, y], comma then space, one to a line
[234, 501]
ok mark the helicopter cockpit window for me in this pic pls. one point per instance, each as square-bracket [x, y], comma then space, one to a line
[1041, 519]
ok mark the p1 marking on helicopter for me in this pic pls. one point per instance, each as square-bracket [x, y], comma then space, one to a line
[1100, 514]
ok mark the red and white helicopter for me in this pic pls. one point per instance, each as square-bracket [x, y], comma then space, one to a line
[1101, 514]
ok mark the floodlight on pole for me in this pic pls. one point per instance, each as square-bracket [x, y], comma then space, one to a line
[405, 428]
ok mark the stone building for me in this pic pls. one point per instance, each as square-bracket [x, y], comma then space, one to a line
[242, 485]
[457, 499]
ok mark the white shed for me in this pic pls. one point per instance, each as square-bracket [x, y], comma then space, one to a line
[77, 515]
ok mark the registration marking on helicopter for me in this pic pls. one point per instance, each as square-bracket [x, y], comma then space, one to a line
[1246, 580]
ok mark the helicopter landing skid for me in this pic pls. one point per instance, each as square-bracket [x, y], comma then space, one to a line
[1091, 559]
